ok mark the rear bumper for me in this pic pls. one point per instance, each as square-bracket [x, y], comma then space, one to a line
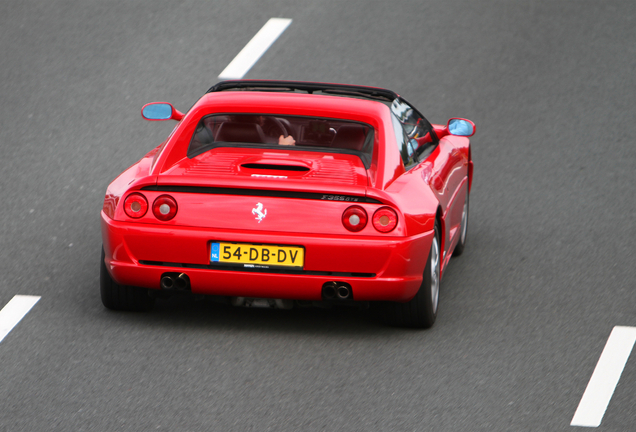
[377, 268]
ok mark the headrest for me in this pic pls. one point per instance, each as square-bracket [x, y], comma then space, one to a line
[349, 137]
[240, 132]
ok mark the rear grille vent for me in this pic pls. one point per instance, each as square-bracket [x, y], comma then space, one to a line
[325, 170]
[217, 164]
[335, 171]
[275, 167]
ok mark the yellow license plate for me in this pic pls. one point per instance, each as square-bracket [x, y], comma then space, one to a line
[257, 255]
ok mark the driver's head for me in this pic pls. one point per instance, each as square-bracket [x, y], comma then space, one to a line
[248, 119]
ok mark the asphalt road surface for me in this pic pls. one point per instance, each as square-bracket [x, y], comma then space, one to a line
[548, 271]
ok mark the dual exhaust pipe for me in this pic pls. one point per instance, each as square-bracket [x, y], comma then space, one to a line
[337, 291]
[330, 290]
[178, 281]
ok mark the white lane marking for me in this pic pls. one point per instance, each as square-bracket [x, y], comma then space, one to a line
[255, 48]
[608, 371]
[14, 311]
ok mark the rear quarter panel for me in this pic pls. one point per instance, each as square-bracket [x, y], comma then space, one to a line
[136, 176]
[441, 180]
[448, 168]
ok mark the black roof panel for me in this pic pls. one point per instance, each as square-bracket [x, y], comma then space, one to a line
[371, 93]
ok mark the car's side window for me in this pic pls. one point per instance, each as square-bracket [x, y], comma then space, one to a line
[404, 147]
[420, 138]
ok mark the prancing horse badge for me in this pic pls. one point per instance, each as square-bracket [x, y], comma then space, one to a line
[259, 212]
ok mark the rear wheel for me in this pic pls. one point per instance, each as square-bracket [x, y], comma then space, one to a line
[121, 297]
[421, 311]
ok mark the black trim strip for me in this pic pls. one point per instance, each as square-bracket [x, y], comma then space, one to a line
[257, 270]
[262, 193]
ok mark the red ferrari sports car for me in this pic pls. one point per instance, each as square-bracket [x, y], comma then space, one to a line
[278, 193]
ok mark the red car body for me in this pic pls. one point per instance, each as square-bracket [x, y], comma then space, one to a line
[305, 194]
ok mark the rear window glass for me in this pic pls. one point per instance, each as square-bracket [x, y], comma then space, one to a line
[303, 133]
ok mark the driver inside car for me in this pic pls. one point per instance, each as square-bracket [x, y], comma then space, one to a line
[288, 140]
[271, 127]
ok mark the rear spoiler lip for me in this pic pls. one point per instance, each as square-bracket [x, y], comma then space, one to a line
[372, 93]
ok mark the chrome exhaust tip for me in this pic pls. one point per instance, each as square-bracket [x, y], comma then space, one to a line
[343, 292]
[329, 291]
[182, 282]
[167, 282]
[179, 281]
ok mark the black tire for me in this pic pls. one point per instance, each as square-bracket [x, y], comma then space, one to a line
[421, 310]
[461, 244]
[120, 297]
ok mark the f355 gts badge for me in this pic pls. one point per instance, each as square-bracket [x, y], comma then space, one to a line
[259, 212]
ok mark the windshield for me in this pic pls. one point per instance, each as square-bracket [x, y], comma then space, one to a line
[294, 132]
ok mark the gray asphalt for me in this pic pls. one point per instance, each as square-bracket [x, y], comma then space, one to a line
[547, 273]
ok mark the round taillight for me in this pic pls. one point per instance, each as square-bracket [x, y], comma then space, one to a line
[354, 218]
[385, 219]
[135, 205]
[164, 208]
